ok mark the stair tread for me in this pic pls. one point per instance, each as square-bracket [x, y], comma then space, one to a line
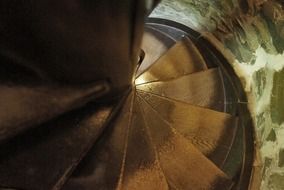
[101, 168]
[154, 44]
[124, 157]
[181, 59]
[184, 165]
[210, 131]
[44, 157]
[142, 169]
[25, 106]
[203, 89]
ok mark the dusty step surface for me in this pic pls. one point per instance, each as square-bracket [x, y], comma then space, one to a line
[184, 166]
[42, 159]
[142, 169]
[26, 106]
[210, 131]
[181, 59]
[203, 89]
[103, 165]
[124, 158]
[143, 151]
[154, 44]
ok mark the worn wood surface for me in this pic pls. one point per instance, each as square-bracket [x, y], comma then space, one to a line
[204, 89]
[183, 58]
[43, 158]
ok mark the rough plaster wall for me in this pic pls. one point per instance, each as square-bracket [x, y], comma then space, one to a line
[253, 32]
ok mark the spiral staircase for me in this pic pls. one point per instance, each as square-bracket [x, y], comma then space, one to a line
[180, 126]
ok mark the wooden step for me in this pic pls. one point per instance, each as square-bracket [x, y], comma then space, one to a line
[25, 106]
[182, 59]
[124, 158]
[202, 89]
[142, 168]
[210, 131]
[184, 166]
[44, 157]
[101, 168]
[154, 44]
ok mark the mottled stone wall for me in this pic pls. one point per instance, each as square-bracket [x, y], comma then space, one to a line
[253, 33]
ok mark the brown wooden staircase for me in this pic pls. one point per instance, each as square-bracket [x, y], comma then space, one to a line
[174, 129]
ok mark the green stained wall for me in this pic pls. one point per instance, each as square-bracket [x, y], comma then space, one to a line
[253, 32]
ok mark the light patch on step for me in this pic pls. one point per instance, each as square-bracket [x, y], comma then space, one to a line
[140, 80]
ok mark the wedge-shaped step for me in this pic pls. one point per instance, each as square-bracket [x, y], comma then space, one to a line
[210, 131]
[25, 106]
[184, 166]
[203, 89]
[124, 158]
[183, 58]
[43, 158]
[154, 44]
[142, 169]
[102, 167]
